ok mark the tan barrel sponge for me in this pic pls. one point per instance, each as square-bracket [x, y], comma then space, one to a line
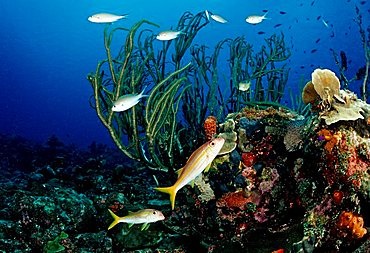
[309, 93]
[326, 84]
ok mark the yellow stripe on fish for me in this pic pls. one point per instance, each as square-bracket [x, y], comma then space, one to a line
[199, 160]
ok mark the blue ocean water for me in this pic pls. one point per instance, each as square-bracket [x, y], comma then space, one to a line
[48, 47]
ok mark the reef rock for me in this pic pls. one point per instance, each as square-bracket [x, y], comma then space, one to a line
[227, 132]
[352, 110]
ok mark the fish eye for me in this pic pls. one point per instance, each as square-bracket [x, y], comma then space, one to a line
[212, 143]
[154, 212]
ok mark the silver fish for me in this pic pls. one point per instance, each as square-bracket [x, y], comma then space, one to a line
[254, 19]
[244, 86]
[325, 23]
[218, 18]
[125, 102]
[105, 18]
[168, 35]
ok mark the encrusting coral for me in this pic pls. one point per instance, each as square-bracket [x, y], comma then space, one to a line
[293, 137]
[206, 192]
[351, 110]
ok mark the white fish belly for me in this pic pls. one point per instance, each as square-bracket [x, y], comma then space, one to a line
[134, 220]
[198, 168]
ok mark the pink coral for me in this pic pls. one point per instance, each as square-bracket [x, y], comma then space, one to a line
[250, 174]
[266, 186]
[261, 215]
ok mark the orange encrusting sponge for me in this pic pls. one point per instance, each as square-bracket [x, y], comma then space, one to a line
[210, 127]
[352, 223]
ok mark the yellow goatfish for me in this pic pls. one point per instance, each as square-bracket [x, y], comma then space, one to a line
[199, 160]
[144, 217]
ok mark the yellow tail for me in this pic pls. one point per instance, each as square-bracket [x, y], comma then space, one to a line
[116, 219]
[170, 190]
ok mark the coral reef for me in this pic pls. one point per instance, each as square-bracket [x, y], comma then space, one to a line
[288, 172]
[338, 146]
[227, 132]
[300, 183]
[54, 207]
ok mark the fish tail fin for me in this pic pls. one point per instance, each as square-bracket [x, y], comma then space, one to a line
[171, 191]
[264, 16]
[142, 92]
[116, 218]
[207, 14]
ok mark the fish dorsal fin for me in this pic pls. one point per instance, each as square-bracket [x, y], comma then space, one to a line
[179, 171]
